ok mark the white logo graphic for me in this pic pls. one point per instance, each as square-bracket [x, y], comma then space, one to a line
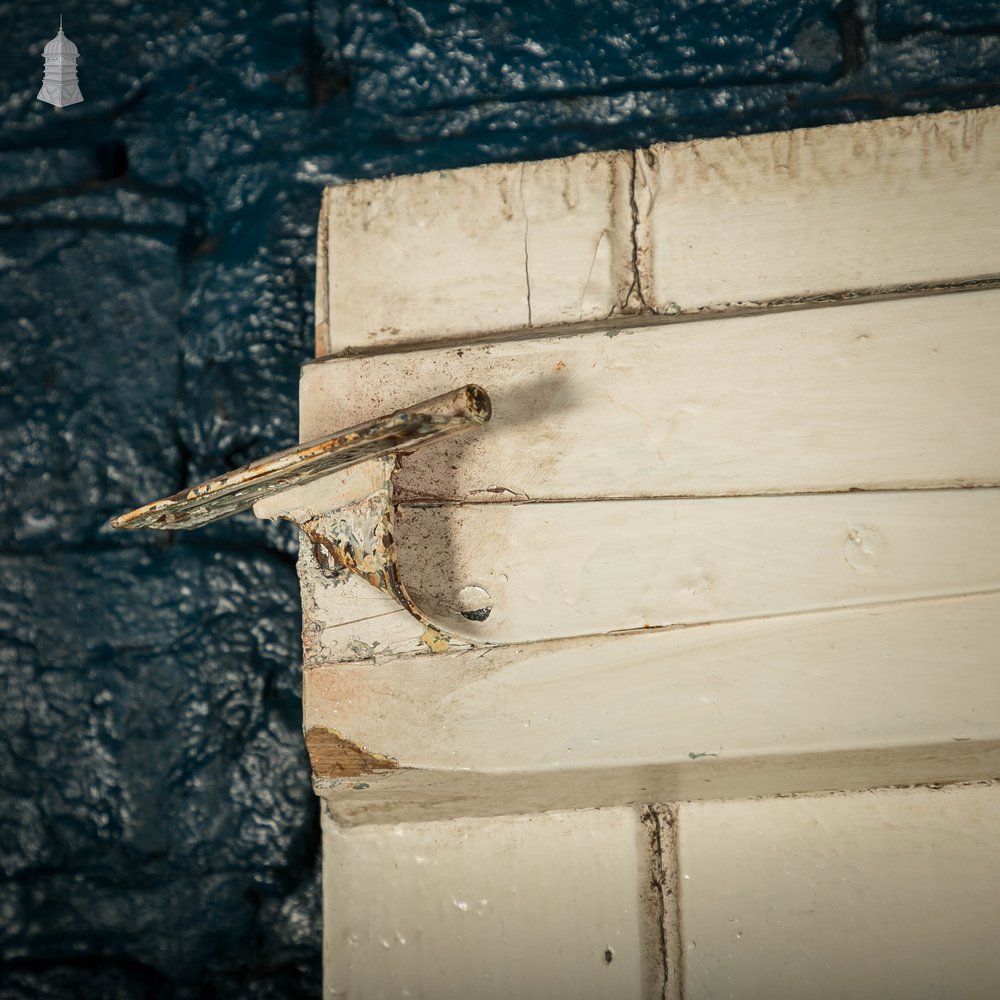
[59, 86]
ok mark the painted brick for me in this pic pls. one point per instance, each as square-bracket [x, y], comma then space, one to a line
[902, 17]
[425, 57]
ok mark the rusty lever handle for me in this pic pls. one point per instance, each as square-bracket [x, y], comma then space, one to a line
[431, 420]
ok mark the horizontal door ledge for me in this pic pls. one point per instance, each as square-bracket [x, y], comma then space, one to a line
[866, 681]
[407, 795]
[883, 395]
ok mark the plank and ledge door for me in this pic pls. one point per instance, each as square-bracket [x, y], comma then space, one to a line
[733, 531]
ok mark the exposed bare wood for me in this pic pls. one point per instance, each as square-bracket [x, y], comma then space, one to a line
[331, 756]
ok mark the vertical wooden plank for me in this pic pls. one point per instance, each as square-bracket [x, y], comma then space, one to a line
[870, 896]
[820, 212]
[543, 906]
[483, 249]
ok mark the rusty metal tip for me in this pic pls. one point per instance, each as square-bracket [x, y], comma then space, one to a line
[480, 404]
[134, 520]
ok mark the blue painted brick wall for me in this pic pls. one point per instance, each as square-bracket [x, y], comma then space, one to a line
[157, 834]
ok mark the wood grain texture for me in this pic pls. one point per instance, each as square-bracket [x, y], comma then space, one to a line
[815, 213]
[488, 248]
[513, 907]
[713, 225]
[520, 572]
[875, 678]
[887, 395]
[331, 756]
[898, 891]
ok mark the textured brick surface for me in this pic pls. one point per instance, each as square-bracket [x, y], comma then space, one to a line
[157, 833]
[406, 60]
[903, 17]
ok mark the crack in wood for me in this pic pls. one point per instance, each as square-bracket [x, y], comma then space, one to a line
[637, 282]
[527, 270]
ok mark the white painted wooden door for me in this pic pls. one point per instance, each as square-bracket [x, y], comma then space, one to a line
[733, 532]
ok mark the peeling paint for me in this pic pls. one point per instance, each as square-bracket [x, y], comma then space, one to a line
[435, 641]
[656, 893]
[635, 300]
[322, 331]
[359, 538]
[364, 650]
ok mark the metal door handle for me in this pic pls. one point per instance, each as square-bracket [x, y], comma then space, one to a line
[354, 535]
[434, 419]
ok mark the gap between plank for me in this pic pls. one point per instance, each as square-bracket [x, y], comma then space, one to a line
[586, 638]
[635, 321]
[509, 498]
